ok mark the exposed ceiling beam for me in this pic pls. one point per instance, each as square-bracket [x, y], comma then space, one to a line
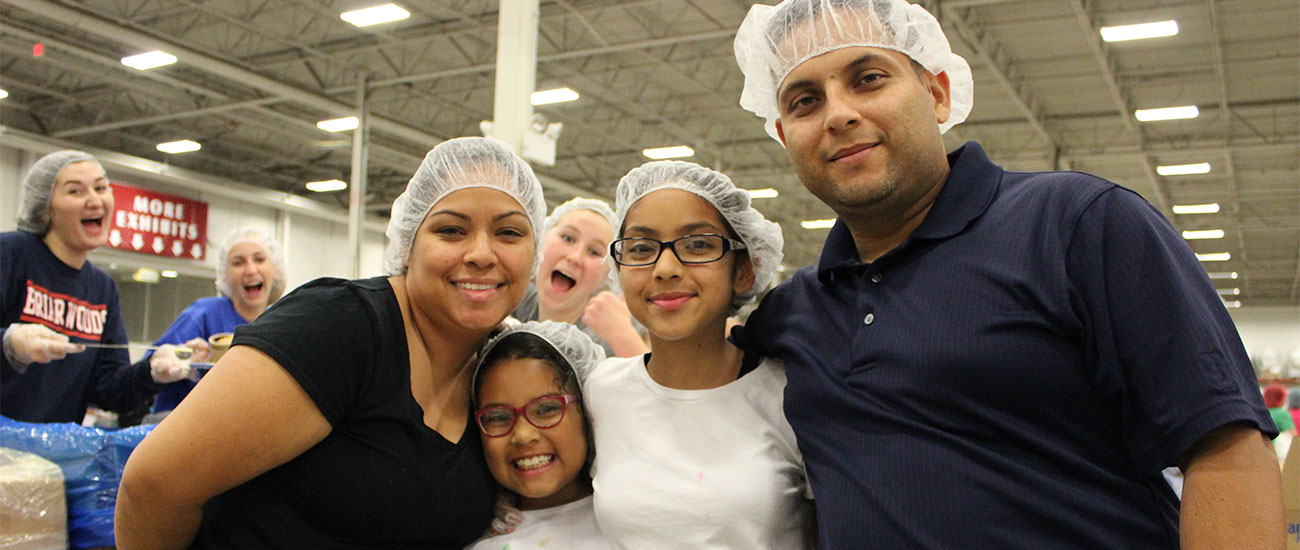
[1099, 52]
[215, 109]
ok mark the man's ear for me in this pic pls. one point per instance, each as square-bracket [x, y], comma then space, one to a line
[941, 90]
[780, 132]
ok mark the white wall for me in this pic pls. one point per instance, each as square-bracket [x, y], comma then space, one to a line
[1272, 338]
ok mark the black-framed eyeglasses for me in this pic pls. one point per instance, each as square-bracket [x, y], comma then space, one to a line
[691, 249]
[544, 412]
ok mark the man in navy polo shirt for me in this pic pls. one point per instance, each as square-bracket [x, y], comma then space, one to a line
[981, 358]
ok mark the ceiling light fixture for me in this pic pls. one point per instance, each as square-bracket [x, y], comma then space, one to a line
[557, 95]
[1223, 275]
[148, 60]
[1183, 169]
[3, 94]
[768, 193]
[817, 224]
[676, 151]
[1167, 113]
[1214, 257]
[1229, 291]
[327, 186]
[1139, 31]
[178, 147]
[170, 273]
[338, 124]
[1203, 234]
[1208, 208]
[1232, 304]
[375, 15]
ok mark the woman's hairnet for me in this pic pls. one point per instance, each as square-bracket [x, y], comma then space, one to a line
[578, 350]
[274, 253]
[592, 205]
[456, 164]
[763, 238]
[773, 40]
[38, 185]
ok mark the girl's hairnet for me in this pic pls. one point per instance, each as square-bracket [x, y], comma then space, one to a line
[456, 164]
[763, 238]
[773, 40]
[38, 185]
[578, 350]
[274, 253]
[599, 207]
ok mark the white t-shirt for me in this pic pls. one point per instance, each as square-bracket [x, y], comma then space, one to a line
[569, 526]
[715, 468]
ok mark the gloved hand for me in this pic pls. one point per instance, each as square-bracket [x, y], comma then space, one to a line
[166, 367]
[27, 343]
[199, 350]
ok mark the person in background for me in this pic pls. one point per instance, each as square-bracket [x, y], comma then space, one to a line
[536, 436]
[341, 417]
[1275, 398]
[694, 449]
[250, 277]
[950, 293]
[574, 280]
[53, 301]
[1293, 407]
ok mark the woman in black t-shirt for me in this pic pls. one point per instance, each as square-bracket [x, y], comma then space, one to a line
[340, 418]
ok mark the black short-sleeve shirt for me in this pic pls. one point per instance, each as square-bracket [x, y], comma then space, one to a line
[1015, 375]
[381, 478]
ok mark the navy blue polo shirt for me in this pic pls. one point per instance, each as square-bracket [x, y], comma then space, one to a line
[1015, 375]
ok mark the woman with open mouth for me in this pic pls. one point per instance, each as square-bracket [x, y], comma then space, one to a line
[53, 299]
[250, 277]
[575, 282]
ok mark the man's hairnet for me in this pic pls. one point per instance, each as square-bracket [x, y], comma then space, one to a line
[456, 164]
[38, 186]
[578, 350]
[601, 208]
[274, 253]
[763, 238]
[773, 40]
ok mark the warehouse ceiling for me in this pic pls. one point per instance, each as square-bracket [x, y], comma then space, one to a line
[255, 76]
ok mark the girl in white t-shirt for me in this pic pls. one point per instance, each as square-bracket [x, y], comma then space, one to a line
[695, 451]
[535, 435]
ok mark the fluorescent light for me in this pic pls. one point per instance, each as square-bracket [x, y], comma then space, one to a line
[327, 186]
[676, 151]
[1167, 113]
[1223, 275]
[1232, 304]
[338, 124]
[1214, 257]
[375, 15]
[145, 275]
[177, 147]
[1204, 234]
[1229, 291]
[557, 95]
[148, 60]
[1183, 169]
[817, 224]
[1139, 31]
[3, 94]
[768, 193]
[1209, 208]
[170, 274]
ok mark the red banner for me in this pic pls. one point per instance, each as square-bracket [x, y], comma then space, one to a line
[157, 223]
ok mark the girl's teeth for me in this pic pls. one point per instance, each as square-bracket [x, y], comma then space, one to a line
[534, 462]
[472, 286]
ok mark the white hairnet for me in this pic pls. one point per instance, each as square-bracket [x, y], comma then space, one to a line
[773, 40]
[593, 205]
[578, 350]
[273, 252]
[762, 237]
[38, 185]
[456, 164]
